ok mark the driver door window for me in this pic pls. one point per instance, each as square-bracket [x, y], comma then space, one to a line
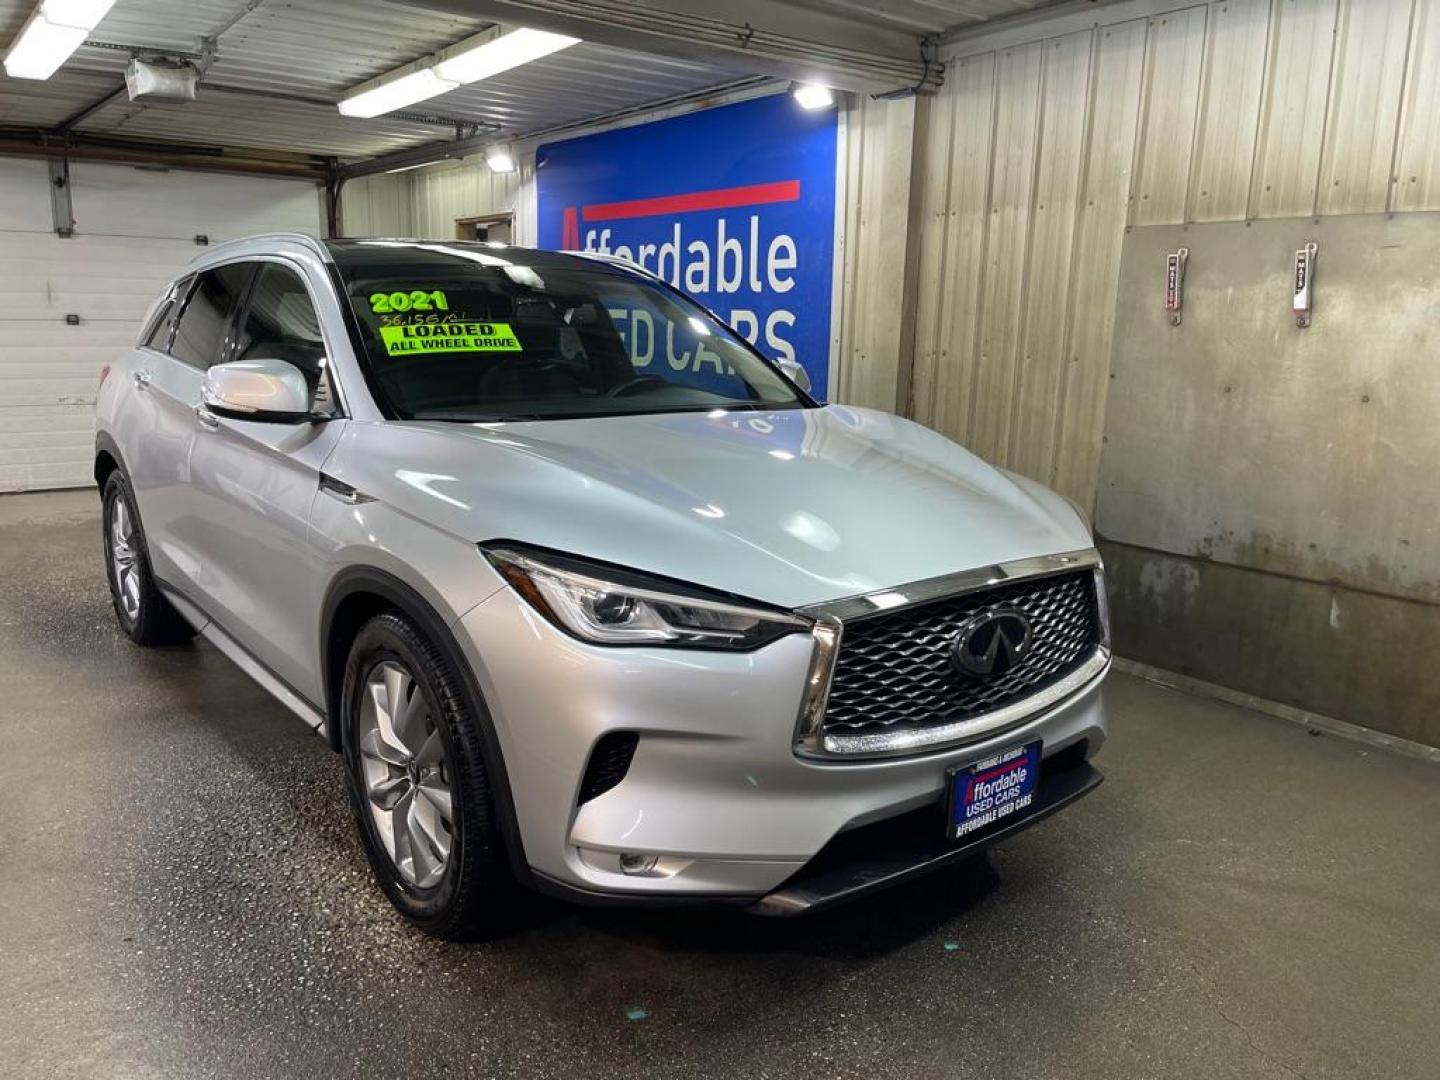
[280, 323]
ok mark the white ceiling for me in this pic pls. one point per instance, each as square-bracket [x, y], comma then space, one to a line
[925, 16]
[281, 65]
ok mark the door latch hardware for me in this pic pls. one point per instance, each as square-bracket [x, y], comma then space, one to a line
[1304, 277]
[1175, 284]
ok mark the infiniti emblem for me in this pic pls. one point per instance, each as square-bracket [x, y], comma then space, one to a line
[990, 643]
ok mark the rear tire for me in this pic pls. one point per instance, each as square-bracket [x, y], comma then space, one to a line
[420, 786]
[142, 610]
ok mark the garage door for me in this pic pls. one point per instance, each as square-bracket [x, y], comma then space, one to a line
[133, 229]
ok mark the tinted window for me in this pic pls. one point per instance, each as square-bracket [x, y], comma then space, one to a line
[280, 323]
[157, 331]
[461, 332]
[200, 333]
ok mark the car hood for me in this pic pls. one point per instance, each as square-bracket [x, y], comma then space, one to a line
[792, 507]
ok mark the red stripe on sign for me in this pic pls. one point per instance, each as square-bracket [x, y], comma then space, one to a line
[717, 199]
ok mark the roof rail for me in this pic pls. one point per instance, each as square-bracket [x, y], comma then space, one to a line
[304, 239]
[615, 260]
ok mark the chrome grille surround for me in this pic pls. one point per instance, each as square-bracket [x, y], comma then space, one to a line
[900, 635]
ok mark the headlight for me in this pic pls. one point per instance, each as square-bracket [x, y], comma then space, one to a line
[609, 606]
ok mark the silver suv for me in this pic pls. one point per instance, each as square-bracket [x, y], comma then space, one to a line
[593, 598]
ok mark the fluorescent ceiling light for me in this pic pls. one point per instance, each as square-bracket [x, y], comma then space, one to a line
[499, 159]
[84, 13]
[55, 29]
[41, 48]
[487, 53]
[387, 97]
[812, 96]
[467, 65]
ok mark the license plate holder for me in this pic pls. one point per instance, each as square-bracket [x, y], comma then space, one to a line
[985, 793]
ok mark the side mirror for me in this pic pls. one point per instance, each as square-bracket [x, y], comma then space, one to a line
[266, 390]
[795, 373]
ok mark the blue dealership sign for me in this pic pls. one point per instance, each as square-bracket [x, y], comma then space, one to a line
[734, 205]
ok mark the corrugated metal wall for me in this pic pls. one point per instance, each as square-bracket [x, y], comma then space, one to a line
[1037, 154]
[425, 202]
[379, 205]
[441, 195]
[873, 324]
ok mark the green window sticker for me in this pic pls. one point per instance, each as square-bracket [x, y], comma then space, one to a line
[414, 300]
[449, 337]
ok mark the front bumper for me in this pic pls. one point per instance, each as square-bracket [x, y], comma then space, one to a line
[715, 789]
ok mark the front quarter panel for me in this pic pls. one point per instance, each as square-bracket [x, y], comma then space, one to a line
[447, 571]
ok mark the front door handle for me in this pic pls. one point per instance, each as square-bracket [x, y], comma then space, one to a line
[207, 418]
[142, 380]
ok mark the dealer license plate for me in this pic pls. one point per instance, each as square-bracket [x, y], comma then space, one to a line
[993, 790]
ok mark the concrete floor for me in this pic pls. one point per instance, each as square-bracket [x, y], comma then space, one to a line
[181, 895]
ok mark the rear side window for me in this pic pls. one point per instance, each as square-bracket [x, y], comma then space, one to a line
[156, 333]
[201, 334]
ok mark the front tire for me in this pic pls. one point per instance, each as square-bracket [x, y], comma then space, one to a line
[419, 784]
[142, 610]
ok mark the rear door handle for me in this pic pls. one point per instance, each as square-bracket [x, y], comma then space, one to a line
[142, 380]
[207, 418]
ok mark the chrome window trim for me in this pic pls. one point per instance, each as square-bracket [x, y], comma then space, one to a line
[829, 630]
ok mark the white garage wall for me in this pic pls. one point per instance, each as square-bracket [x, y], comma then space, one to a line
[133, 229]
[376, 206]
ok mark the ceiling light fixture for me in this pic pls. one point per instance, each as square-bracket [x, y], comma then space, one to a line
[479, 57]
[389, 96]
[499, 159]
[55, 29]
[812, 95]
[466, 63]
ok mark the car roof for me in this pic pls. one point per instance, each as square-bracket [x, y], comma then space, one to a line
[350, 253]
[354, 255]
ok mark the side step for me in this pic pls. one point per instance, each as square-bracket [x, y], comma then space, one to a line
[236, 653]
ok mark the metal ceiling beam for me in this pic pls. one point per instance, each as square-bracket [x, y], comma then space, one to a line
[427, 154]
[765, 37]
[76, 146]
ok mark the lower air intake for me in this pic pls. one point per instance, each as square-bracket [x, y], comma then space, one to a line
[609, 762]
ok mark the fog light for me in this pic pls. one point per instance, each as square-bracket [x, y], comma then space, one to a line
[634, 863]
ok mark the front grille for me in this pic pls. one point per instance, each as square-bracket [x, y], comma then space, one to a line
[894, 672]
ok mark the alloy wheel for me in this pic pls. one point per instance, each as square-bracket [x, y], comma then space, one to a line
[405, 773]
[123, 560]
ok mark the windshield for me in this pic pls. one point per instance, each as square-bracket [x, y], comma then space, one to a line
[458, 332]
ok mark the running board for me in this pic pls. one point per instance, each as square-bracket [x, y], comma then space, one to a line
[236, 653]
